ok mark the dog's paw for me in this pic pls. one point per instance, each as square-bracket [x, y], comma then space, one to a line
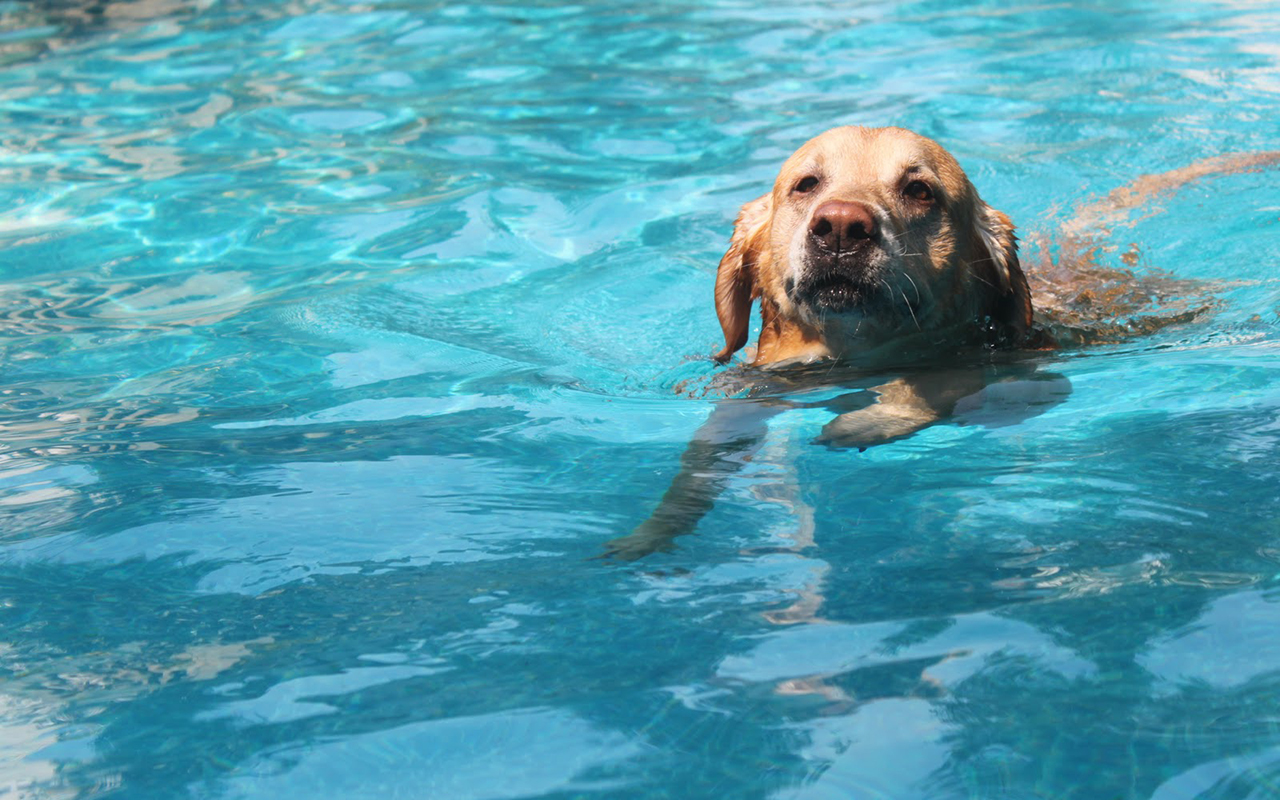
[648, 538]
[878, 424]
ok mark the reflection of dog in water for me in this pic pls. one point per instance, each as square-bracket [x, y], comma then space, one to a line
[873, 255]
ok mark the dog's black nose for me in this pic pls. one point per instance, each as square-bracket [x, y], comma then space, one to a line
[840, 225]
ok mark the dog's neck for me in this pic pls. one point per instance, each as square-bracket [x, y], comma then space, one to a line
[786, 339]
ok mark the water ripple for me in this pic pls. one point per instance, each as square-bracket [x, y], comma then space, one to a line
[337, 338]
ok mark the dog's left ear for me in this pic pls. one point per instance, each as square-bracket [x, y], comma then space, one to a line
[996, 265]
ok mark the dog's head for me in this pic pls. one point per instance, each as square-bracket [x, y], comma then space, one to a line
[871, 232]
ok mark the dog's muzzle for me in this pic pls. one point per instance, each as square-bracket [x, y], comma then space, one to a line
[841, 248]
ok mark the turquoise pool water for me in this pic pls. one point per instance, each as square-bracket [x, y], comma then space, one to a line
[338, 338]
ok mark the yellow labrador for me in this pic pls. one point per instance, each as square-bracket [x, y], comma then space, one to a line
[874, 246]
[874, 250]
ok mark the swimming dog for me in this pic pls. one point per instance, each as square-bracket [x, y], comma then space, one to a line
[874, 252]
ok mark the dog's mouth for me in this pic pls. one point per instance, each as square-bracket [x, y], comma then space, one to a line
[836, 292]
[840, 281]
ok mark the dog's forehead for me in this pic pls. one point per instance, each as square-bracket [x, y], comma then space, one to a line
[871, 155]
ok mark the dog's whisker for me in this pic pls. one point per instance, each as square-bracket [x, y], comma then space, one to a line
[981, 279]
[913, 286]
[912, 310]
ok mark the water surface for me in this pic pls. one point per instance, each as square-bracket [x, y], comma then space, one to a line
[338, 338]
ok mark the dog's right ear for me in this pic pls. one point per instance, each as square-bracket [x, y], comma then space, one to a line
[736, 279]
[1009, 306]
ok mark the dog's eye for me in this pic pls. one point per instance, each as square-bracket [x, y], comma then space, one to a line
[806, 185]
[918, 190]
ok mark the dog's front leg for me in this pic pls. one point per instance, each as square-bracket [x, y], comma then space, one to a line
[719, 448]
[905, 405]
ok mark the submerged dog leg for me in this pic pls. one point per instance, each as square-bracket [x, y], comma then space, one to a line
[719, 448]
[1100, 216]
